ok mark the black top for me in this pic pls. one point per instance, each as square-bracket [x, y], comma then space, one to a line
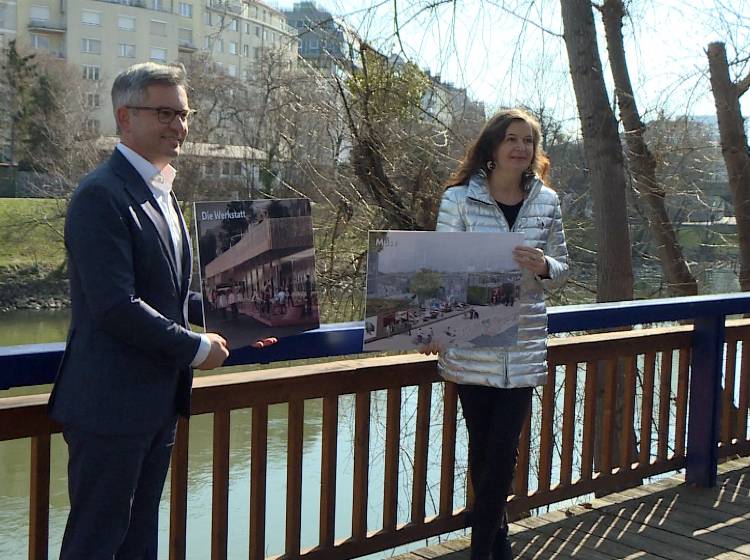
[510, 211]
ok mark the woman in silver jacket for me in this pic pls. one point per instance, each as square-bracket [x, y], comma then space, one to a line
[499, 186]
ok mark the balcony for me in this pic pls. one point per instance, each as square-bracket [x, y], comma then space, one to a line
[46, 26]
[186, 46]
[685, 392]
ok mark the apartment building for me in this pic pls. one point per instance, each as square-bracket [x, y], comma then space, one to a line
[321, 39]
[102, 37]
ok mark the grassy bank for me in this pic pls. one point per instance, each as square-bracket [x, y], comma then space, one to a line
[32, 254]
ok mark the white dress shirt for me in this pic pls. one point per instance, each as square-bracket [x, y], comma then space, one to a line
[159, 181]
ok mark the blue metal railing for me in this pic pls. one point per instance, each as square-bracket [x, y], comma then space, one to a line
[36, 364]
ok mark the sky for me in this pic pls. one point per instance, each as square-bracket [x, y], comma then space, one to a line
[511, 52]
[409, 251]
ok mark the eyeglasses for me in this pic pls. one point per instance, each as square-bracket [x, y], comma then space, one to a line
[167, 115]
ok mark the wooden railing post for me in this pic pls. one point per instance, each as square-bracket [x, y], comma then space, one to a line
[705, 401]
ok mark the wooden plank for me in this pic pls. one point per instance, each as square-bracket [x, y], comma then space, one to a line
[329, 435]
[548, 420]
[569, 424]
[178, 492]
[39, 497]
[392, 437]
[628, 412]
[361, 465]
[421, 453]
[683, 382]
[258, 474]
[647, 407]
[589, 422]
[220, 486]
[448, 456]
[608, 427]
[612, 345]
[665, 400]
[296, 421]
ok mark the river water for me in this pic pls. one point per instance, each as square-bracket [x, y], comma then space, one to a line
[25, 327]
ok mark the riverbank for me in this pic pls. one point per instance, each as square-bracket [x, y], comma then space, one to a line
[33, 287]
[32, 254]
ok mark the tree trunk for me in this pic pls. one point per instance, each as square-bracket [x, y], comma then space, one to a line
[680, 281]
[734, 148]
[601, 144]
[603, 151]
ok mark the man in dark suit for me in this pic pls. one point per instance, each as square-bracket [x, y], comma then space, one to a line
[127, 369]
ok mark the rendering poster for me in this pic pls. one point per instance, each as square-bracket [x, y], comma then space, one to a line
[257, 268]
[456, 288]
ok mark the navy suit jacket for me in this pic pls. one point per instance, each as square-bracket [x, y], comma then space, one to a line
[126, 367]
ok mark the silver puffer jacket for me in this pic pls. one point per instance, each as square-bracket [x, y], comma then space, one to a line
[472, 208]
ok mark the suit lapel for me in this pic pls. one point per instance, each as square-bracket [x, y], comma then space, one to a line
[143, 196]
[187, 252]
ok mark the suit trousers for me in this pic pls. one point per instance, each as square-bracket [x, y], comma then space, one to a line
[115, 484]
[494, 419]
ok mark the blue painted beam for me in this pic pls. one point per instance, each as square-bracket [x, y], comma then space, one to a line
[570, 318]
[705, 401]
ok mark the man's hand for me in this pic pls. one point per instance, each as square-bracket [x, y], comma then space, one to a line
[217, 354]
[265, 342]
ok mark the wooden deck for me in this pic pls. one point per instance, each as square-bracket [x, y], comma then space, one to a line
[664, 520]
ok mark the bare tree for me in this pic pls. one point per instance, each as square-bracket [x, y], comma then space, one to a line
[680, 281]
[734, 147]
[603, 154]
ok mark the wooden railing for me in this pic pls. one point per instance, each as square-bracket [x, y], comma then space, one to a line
[643, 374]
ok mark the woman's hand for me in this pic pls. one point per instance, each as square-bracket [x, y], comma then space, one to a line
[531, 259]
[431, 348]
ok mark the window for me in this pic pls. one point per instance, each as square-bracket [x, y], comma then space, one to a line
[206, 43]
[186, 9]
[208, 168]
[256, 53]
[91, 72]
[91, 46]
[157, 53]
[126, 23]
[93, 101]
[126, 50]
[232, 47]
[233, 25]
[40, 41]
[246, 50]
[157, 4]
[232, 69]
[247, 28]
[237, 168]
[92, 126]
[39, 13]
[219, 45]
[257, 31]
[226, 168]
[91, 18]
[185, 36]
[158, 28]
[207, 18]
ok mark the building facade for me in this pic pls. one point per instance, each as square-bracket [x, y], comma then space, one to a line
[321, 39]
[103, 37]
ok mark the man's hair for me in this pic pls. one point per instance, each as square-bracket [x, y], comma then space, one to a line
[130, 86]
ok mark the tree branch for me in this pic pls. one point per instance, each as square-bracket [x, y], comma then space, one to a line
[743, 85]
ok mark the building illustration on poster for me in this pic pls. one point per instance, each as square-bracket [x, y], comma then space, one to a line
[456, 288]
[257, 267]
